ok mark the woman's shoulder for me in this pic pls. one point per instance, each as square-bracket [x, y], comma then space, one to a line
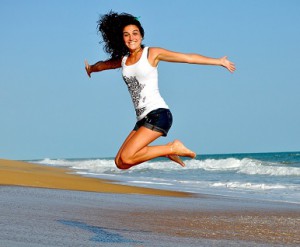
[154, 48]
[154, 54]
[154, 51]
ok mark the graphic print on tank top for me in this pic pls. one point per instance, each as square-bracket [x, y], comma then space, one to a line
[135, 88]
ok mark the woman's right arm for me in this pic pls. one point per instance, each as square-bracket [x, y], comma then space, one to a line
[102, 65]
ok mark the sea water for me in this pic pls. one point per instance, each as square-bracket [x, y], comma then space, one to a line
[267, 176]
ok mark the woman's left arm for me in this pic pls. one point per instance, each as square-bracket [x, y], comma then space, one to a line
[158, 54]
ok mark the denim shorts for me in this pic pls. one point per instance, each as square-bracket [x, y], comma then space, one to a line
[158, 120]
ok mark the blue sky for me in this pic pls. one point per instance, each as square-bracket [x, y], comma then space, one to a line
[49, 108]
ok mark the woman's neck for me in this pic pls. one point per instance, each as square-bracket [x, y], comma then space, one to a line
[136, 51]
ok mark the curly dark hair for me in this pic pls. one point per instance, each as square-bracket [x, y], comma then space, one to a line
[111, 27]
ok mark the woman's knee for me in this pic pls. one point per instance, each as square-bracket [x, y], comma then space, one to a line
[122, 163]
[119, 162]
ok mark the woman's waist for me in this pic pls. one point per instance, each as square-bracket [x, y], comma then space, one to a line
[145, 109]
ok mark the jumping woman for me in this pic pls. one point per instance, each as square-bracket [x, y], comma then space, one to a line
[122, 36]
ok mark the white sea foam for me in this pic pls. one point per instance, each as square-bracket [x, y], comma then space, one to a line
[97, 166]
[244, 166]
[149, 182]
[250, 186]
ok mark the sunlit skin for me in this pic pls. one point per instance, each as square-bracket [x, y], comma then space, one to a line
[135, 148]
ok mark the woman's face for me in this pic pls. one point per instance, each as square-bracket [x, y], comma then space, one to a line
[132, 37]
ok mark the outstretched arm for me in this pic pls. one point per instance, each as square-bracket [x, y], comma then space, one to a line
[158, 54]
[101, 65]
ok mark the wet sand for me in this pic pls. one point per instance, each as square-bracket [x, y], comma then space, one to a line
[66, 217]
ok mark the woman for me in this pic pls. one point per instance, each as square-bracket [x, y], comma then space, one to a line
[122, 35]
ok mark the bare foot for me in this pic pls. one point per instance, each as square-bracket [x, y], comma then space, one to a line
[176, 158]
[179, 149]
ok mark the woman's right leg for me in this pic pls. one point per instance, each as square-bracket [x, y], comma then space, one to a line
[135, 149]
[172, 157]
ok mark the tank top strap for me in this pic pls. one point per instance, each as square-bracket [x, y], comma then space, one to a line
[145, 53]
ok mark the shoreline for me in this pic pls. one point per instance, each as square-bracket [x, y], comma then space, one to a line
[17, 173]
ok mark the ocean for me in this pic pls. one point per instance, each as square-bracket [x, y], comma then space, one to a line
[259, 176]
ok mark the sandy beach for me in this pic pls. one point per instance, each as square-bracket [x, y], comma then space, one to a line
[46, 206]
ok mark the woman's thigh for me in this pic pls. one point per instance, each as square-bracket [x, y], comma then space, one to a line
[131, 134]
[138, 140]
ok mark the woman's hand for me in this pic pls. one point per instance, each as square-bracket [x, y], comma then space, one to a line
[227, 64]
[102, 65]
[87, 68]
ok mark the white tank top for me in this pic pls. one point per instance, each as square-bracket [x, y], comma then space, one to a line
[142, 82]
